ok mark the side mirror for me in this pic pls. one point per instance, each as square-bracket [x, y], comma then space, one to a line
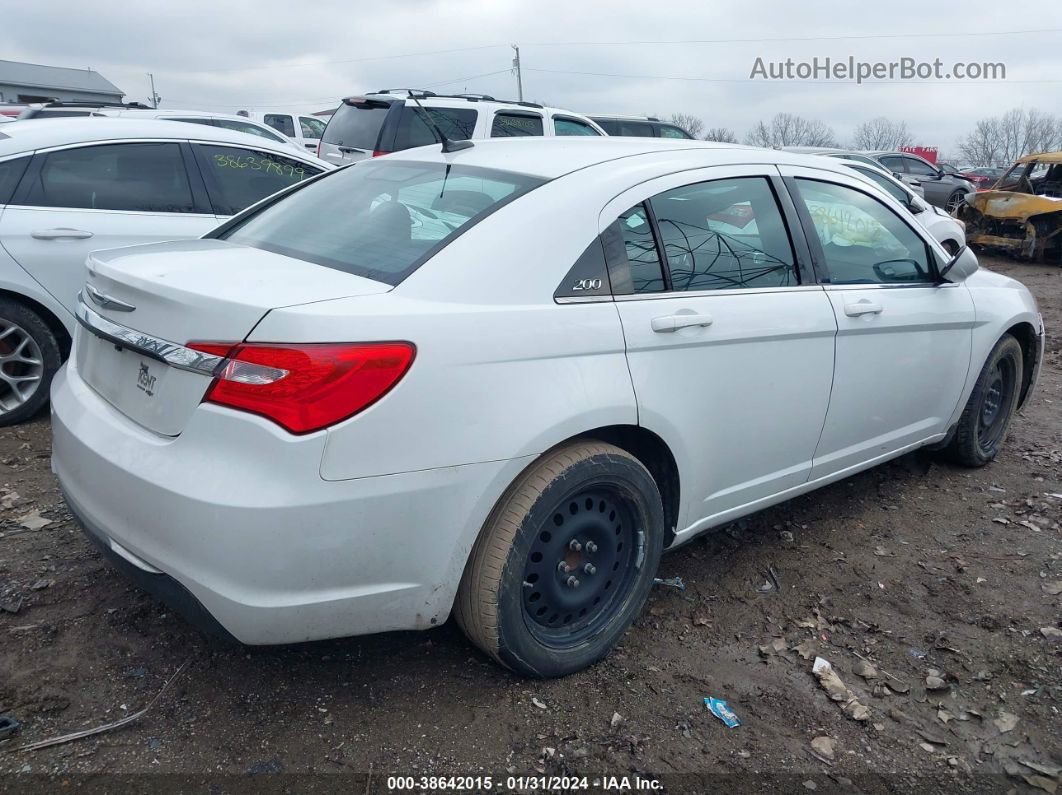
[898, 175]
[960, 266]
[915, 207]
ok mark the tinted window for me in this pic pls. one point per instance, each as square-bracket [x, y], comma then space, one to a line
[507, 125]
[457, 124]
[888, 185]
[671, 131]
[61, 114]
[562, 126]
[147, 177]
[893, 163]
[250, 129]
[632, 254]
[919, 168]
[281, 122]
[10, 173]
[357, 126]
[380, 219]
[724, 234]
[237, 178]
[311, 127]
[609, 126]
[862, 241]
[196, 120]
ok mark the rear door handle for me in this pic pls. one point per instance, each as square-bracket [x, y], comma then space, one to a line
[60, 234]
[669, 323]
[863, 307]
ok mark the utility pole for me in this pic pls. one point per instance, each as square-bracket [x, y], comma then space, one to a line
[519, 76]
[154, 97]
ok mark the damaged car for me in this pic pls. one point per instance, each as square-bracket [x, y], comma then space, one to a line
[1022, 213]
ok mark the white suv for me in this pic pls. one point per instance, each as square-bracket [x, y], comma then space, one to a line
[70, 186]
[390, 121]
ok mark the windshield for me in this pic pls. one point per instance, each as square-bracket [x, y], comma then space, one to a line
[380, 219]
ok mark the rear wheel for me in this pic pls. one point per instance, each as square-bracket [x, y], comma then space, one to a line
[986, 417]
[953, 202]
[565, 561]
[29, 357]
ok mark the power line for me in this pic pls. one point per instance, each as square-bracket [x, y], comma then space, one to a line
[750, 81]
[786, 38]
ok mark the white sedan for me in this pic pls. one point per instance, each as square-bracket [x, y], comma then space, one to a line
[499, 382]
[71, 186]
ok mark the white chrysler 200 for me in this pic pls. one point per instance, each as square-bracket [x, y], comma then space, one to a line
[500, 380]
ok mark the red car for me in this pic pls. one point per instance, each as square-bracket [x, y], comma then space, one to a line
[983, 178]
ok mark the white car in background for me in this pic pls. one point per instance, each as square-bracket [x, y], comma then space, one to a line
[304, 130]
[499, 381]
[951, 232]
[70, 186]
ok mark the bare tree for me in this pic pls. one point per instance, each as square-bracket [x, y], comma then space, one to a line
[689, 123]
[722, 134]
[999, 140]
[787, 129]
[881, 133]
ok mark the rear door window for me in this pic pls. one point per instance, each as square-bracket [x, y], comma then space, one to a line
[565, 126]
[457, 124]
[514, 125]
[237, 178]
[724, 234]
[919, 168]
[145, 177]
[380, 219]
[672, 131]
[250, 129]
[311, 127]
[281, 122]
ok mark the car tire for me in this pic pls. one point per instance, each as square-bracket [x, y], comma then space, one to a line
[29, 357]
[983, 424]
[954, 202]
[565, 561]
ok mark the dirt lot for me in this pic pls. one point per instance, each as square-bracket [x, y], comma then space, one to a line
[919, 569]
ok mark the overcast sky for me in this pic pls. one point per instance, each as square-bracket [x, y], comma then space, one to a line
[270, 54]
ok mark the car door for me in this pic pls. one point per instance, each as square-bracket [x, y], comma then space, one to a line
[238, 176]
[936, 188]
[904, 337]
[310, 130]
[79, 199]
[729, 340]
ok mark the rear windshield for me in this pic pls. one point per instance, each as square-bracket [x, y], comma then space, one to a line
[380, 219]
[357, 126]
[457, 124]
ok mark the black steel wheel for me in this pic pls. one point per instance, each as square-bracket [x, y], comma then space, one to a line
[986, 417]
[565, 561]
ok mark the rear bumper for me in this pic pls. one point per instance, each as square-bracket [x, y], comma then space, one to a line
[232, 524]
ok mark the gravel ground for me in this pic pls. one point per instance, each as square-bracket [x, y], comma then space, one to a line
[932, 590]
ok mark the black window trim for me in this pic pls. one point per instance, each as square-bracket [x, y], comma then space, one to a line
[818, 256]
[23, 192]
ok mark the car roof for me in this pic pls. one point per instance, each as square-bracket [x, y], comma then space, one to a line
[472, 100]
[32, 134]
[549, 158]
[1043, 157]
[859, 164]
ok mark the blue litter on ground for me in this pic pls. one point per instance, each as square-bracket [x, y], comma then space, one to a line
[722, 710]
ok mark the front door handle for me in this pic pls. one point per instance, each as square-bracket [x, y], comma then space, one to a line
[669, 323]
[60, 234]
[863, 307]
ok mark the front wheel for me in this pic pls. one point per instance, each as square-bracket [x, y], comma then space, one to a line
[986, 417]
[953, 203]
[565, 561]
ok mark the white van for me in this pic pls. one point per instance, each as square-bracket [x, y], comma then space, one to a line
[302, 128]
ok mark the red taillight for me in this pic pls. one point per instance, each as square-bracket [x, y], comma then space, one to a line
[305, 387]
[379, 153]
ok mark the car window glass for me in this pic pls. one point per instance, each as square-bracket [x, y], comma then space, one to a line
[893, 163]
[250, 129]
[381, 218]
[919, 168]
[671, 131]
[632, 253]
[237, 178]
[724, 234]
[1013, 178]
[148, 177]
[311, 127]
[636, 129]
[10, 173]
[888, 185]
[563, 126]
[862, 241]
[608, 125]
[508, 125]
[356, 125]
[457, 124]
[190, 120]
[281, 122]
